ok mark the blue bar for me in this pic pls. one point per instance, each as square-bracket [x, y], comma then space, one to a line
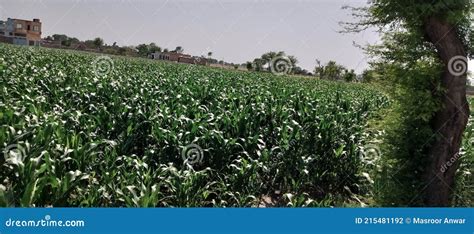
[236, 220]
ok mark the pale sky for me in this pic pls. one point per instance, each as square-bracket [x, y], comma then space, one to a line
[234, 30]
[470, 66]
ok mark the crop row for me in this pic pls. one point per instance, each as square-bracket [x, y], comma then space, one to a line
[82, 130]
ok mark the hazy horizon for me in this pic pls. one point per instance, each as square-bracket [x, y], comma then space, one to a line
[235, 31]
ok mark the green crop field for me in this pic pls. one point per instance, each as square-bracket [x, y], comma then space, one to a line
[465, 183]
[80, 129]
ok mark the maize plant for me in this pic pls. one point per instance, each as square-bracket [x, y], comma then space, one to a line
[78, 129]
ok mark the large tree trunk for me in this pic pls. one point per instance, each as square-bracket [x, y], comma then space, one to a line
[448, 123]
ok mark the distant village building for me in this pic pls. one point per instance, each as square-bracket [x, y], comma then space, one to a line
[20, 32]
[178, 57]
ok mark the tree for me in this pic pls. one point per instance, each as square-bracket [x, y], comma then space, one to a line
[368, 76]
[279, 57]
[349, 76]
[268, 57]
[249, 66]
[331, 71]
[258, 64]
[64, 40]
[142, 50]
[300, 71]
[209, 54]
[319, 69]
[59, 37]
[179, 49]
[66, 43]
[122, 51]
[98, 42]
[436, 33]
[153, 48]
[293, 60]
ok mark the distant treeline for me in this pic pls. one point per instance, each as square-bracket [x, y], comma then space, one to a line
[98, 45]
[264, 63]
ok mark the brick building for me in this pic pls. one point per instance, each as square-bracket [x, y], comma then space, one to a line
[178, 57]
[20, 32]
